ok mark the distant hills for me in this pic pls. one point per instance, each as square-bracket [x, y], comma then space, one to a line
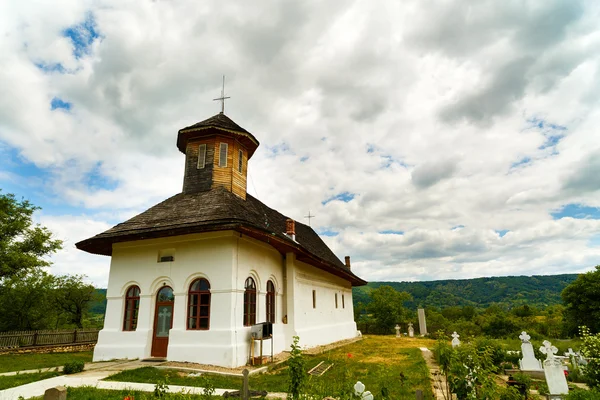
[538, 291]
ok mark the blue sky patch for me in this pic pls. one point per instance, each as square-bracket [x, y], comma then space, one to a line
[304, 159]
[95, 180]
[82, 35]
[541, 123]
[57, 67]
[551, 141]
[345, 197]
[391, 232]
[502, 232]
[523, 161]
[328, 232]
[594, 241]
[577, 211]
[59, 103]
[279, 149]
[457, 227]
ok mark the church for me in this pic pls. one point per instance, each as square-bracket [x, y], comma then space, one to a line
[192, 275]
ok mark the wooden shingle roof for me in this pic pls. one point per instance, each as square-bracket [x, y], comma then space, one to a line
[217, 123]
[216, 210]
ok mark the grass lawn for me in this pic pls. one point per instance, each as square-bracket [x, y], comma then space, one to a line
[91, 393]
[377, 361]
[22, 362]
[21, 379]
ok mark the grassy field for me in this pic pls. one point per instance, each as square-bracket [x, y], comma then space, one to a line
[22, 362]
[91, 393]
[380, 362]
[21, 379]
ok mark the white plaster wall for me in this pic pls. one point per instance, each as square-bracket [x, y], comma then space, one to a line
[325, 323]
[226, 259]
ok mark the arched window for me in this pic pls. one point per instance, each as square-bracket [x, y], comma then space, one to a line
[199, 305]
[132, 306]
[250, 302]
[270, 302]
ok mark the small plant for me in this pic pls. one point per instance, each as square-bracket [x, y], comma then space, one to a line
[297, 375]
[509, 393]
[73, 367]
[160, 390]
[208, 389]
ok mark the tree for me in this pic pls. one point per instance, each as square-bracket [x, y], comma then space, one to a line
[22, 244]
[582, 301]
[387, 307]
[73, 297]
[26, 301]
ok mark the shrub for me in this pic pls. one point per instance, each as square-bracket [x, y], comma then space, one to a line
[73, 367]
[296, 372]
[591, 350]
[509, 393]
[580, 394]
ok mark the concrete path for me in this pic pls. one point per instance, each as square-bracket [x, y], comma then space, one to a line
[438, 381]
[87, 367]
[93, 376]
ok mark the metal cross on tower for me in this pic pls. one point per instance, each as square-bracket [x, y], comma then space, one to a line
[309, 217]
[222, 98]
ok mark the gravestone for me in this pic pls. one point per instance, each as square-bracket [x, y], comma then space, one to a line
[554, 371]
[56, 393]
[455, 341]
[411, 330]
[359, 390]
[528, 362]
[397, 328]
[573, 358]
[422, 323]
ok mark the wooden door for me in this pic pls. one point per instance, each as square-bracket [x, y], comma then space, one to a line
[163, 321]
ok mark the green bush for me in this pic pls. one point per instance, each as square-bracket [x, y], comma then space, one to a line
[509, 393]
[73, 367]
[580, 394]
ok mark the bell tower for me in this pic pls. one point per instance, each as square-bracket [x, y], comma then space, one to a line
[216, 151]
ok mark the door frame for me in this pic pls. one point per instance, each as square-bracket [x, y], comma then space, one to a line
[158, 304]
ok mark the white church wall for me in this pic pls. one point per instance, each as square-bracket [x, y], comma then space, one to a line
[324, 323]
[200, 255]
[226, 259]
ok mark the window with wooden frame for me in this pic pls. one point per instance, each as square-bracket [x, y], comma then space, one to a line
[132, 307]
[343, 305]
[270, 302]
[199, 305]
[201, 156]
[249, 302]
[240, 161]
[314, 299]
[336, 301]
[223, 147]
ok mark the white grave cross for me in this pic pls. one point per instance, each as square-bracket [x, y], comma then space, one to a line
[548, 350]
[359, 390]
[455, 341]
[553, 369]
[411, 330]
[397, 328]
[528, 362]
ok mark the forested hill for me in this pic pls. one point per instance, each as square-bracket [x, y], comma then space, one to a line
[538, 291]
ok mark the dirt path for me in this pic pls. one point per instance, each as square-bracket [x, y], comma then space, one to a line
[438, 381]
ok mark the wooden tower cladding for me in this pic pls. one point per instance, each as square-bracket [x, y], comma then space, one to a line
[216, 155]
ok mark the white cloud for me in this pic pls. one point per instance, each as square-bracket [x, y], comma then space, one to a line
[418, 109]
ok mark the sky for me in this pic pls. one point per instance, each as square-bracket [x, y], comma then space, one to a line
[431, 139]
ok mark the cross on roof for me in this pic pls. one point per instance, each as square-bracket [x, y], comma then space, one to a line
[223, 97]
[309, 217]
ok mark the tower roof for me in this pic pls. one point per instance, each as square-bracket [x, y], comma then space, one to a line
[216, 123]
